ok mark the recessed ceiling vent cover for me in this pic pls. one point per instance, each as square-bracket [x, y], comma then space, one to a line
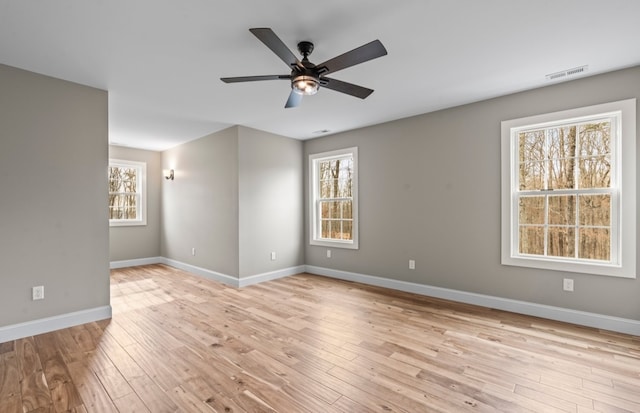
[567, 73]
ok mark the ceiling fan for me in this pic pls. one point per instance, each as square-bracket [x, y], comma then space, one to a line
[306, 77]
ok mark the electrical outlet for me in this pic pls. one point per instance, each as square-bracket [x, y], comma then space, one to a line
[328, 253]
[412, 264]
[37, 293]
[567, 284]
[193, 251]
[273, 255]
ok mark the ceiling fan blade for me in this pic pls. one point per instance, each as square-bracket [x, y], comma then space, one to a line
[369, 51]
[273, 42]
[294, 100]
[345, 87]
[253, 78]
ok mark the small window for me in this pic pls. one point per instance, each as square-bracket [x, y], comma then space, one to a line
[334, 198]
[569, 190]
[127, 192]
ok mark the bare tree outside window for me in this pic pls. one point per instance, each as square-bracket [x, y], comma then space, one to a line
[126, 204]
[336, 198]
[122, 193]
[564, 202]
[333, 198]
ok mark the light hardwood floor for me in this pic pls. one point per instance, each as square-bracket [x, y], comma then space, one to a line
[178, 342]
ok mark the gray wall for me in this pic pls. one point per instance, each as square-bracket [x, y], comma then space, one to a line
[200, 207]
[430, 191]
[237, 197]
[143, 241]
[53, 207]
[270, 202]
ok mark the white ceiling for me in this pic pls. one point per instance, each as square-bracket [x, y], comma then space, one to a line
[161, 60]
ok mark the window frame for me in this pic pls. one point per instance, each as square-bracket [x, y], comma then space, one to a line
[623, 190]
[141, 185]
[314, 199]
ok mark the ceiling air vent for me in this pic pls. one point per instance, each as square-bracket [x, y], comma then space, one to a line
[568, 72]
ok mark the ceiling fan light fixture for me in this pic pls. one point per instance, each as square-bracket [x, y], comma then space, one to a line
[305, 85]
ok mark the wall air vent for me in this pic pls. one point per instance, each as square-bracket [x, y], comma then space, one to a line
[566, 73]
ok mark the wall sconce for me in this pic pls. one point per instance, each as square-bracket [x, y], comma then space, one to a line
[170, 176]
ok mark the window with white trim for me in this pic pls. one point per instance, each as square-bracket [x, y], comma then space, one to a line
[333, 203]
[569, 192]
[127, 192]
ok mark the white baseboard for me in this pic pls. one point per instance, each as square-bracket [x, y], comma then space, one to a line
[233, 281]
[136, 262]
[45, 325]
[203, 272]
[583, 318]
[212, 275]
[268, 276]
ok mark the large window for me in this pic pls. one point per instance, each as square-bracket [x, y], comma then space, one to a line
[127, 204]
[569, 190]
[334, 198]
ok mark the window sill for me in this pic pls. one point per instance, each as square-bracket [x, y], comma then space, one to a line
[610, 270]
[127, 223]
[334, 244]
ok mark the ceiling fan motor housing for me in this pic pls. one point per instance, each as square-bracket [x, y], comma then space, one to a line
[305, 48]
